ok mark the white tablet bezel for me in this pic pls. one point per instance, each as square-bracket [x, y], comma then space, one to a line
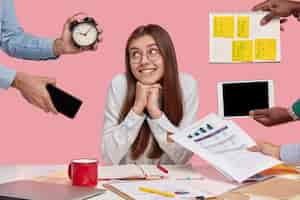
[220, 95]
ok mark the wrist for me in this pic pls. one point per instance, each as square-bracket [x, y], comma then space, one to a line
[58, 47]
[17, 81]
[155, 113]
[292, 114]
[138, 110]
[295, 109]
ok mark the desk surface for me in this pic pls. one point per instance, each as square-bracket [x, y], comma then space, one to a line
[18, 172]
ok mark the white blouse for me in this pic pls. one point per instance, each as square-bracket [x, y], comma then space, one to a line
[117, 138]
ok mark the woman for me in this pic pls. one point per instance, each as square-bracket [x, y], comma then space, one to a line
[148, 103]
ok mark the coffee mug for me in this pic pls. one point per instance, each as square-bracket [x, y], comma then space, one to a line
[84, 172]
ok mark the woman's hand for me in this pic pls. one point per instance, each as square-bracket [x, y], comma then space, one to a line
[153, 101]
[141, 95]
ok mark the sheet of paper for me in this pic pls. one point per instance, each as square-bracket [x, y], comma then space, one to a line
[151, 171]
[119, 171]
[223, 144]
[182, 172]
[265, 49]
[191, 188]
[243, 23]
[224, 26]
[242, 50]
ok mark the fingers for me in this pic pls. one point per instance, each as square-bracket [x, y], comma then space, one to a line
[263, 120]
[284, 20]
[49, 104]
[75, 16]
[254, 149]
[267, 18]
[259, 112]
[48, 80]
[261, 6]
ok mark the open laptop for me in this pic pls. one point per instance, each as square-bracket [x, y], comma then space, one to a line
[33, 190]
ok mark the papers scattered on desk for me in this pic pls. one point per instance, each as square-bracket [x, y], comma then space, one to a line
[186, 188]
[224, 145]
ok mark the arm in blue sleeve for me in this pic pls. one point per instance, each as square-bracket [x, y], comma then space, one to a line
[16, 43]
[7, 76]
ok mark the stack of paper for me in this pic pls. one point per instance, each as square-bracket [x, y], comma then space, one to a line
[224, 145]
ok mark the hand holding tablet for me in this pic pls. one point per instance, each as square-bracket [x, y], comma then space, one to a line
[237, 98]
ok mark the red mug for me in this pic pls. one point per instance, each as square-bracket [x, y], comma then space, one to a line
[84, 172]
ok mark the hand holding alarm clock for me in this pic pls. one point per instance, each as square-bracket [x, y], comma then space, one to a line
[85, 33]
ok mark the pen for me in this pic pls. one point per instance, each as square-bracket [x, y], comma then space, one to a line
[161, 168]
[158, 192]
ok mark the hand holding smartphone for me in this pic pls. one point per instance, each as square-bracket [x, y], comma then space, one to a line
[64, 103]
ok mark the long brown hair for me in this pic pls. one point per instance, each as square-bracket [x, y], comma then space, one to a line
[172, 104]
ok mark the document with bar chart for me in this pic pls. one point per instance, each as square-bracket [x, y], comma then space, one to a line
[223, 144]
[239, 38]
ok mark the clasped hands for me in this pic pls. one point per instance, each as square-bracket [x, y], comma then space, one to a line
[147, 98]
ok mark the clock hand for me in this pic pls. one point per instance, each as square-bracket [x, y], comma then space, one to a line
[88, 31]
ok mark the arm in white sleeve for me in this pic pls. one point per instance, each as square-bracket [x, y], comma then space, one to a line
[117, 137]
[162, 126]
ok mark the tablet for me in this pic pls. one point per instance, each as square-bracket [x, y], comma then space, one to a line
[237, 98]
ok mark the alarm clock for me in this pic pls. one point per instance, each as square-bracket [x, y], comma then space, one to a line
[84, 33]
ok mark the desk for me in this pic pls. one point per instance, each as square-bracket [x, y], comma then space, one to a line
[18, 172]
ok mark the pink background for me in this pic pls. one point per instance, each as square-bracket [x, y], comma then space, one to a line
[30, 136]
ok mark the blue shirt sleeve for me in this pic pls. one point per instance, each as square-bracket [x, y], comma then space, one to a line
[16, 43]
[7, 76]
[290, 153]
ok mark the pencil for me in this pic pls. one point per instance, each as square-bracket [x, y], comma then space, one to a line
[154, 191]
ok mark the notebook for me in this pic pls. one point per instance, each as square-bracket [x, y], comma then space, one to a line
[180, 188]
[131, 171]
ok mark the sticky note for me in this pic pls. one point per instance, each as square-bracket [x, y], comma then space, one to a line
[223, 26]
[265, 49]
[242, 50]
[243, 23]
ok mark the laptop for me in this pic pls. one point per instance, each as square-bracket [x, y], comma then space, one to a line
[33, 190]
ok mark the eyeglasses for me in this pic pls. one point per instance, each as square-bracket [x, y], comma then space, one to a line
[136, 55]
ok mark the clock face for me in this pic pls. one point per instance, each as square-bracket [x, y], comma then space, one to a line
[85, 34]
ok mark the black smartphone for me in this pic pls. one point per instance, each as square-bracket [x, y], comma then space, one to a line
[64, 103]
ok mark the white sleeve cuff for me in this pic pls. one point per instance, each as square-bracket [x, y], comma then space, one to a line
[132, 119]
[162, 123]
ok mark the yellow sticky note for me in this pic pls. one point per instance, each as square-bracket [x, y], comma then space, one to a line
[243, 26]
[242, 50]
[265, 49]
[223, 26]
